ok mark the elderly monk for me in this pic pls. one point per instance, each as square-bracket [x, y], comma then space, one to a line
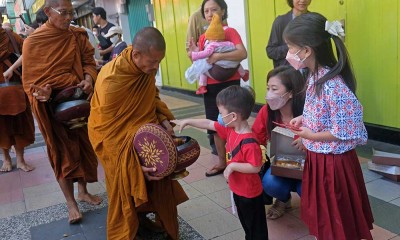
[125, 98]
[57, 56]
[16, 120]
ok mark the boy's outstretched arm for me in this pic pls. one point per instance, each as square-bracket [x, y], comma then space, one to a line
[198, 123]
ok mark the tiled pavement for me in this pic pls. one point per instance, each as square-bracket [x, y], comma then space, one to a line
[32, 205]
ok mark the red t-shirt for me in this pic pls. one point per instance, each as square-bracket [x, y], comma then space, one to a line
[231, 35]
[243, 184]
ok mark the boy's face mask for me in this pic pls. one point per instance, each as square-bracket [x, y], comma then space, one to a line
[221, 119]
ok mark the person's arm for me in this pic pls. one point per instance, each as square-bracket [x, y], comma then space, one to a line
[277, 48]
[107, 50]
[198, 123]
[203, 54]
[236, 55]
[9, 73]
[253, 161]
[259, 127]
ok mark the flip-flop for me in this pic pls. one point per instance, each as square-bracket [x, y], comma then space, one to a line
[217, 172]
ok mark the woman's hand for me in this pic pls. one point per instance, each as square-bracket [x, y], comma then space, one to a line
[298, 144]
[147, 171]
[304, 133]
[41, 94]
[297, 122]
[215, 57]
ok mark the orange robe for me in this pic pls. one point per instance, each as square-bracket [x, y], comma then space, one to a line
[60, 58]
[14, 129]
[124, 99]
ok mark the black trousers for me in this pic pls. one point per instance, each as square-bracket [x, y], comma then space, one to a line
[251, 214]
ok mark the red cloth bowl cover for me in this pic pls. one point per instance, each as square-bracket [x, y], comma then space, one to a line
[156, 148]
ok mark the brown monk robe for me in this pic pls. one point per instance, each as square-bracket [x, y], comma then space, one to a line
[17, 129]
[57, 56]
[125, 98]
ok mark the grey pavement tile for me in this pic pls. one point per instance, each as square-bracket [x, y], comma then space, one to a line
[383, 189]
[96, 234]
[387, 216]
[222, 198]
[197, 207]
[369, 175]
[94, 220]
[235, 235]
[11, 209]
[191, 191]
[54, 230]
[215, 224]
[78, 236]
[211, 184]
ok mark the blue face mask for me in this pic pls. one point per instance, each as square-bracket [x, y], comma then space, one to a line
[221, 120]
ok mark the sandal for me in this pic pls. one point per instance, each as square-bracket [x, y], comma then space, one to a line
[214, 172]
[278, 209]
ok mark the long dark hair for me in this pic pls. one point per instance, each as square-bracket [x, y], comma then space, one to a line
[309, 30]
[294, 82]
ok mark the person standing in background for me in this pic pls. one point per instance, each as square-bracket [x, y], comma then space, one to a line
[196, 27]
[100, 19]
[277, 48]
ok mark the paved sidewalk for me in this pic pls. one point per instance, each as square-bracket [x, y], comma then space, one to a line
[32, 204]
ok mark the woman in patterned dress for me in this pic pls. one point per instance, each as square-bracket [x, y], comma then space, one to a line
[334, 198]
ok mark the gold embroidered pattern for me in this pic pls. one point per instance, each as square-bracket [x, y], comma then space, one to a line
[150, 153]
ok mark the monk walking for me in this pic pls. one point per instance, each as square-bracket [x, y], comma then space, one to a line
[58, 56]
[16, 121]
[125, 98]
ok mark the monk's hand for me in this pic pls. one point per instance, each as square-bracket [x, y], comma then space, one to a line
[41, 94]
[147, 171]
[168, 127]
[87, 85]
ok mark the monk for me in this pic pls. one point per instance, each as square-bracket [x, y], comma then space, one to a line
[125, 98]
[57, 56]
[16, 123]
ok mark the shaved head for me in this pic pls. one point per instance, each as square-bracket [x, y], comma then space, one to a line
[148, 38]
[53, 3]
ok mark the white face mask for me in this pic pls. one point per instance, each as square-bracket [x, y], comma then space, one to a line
[114, 39]
[275, 101]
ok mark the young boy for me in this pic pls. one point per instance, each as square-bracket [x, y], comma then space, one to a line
[243, 156]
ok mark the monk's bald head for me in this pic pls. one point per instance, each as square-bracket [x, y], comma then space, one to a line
[55, 3]
[149, 38]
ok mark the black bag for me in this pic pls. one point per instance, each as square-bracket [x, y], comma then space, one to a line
[266, 198]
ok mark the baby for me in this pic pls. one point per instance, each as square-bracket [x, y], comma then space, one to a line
[215, 36]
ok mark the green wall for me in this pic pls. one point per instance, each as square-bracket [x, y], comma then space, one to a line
[372, 38]
[171, 19]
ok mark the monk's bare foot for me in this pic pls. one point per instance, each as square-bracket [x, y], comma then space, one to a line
[74, 215]
[89, 198]
[7, 166]
[25, 167]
